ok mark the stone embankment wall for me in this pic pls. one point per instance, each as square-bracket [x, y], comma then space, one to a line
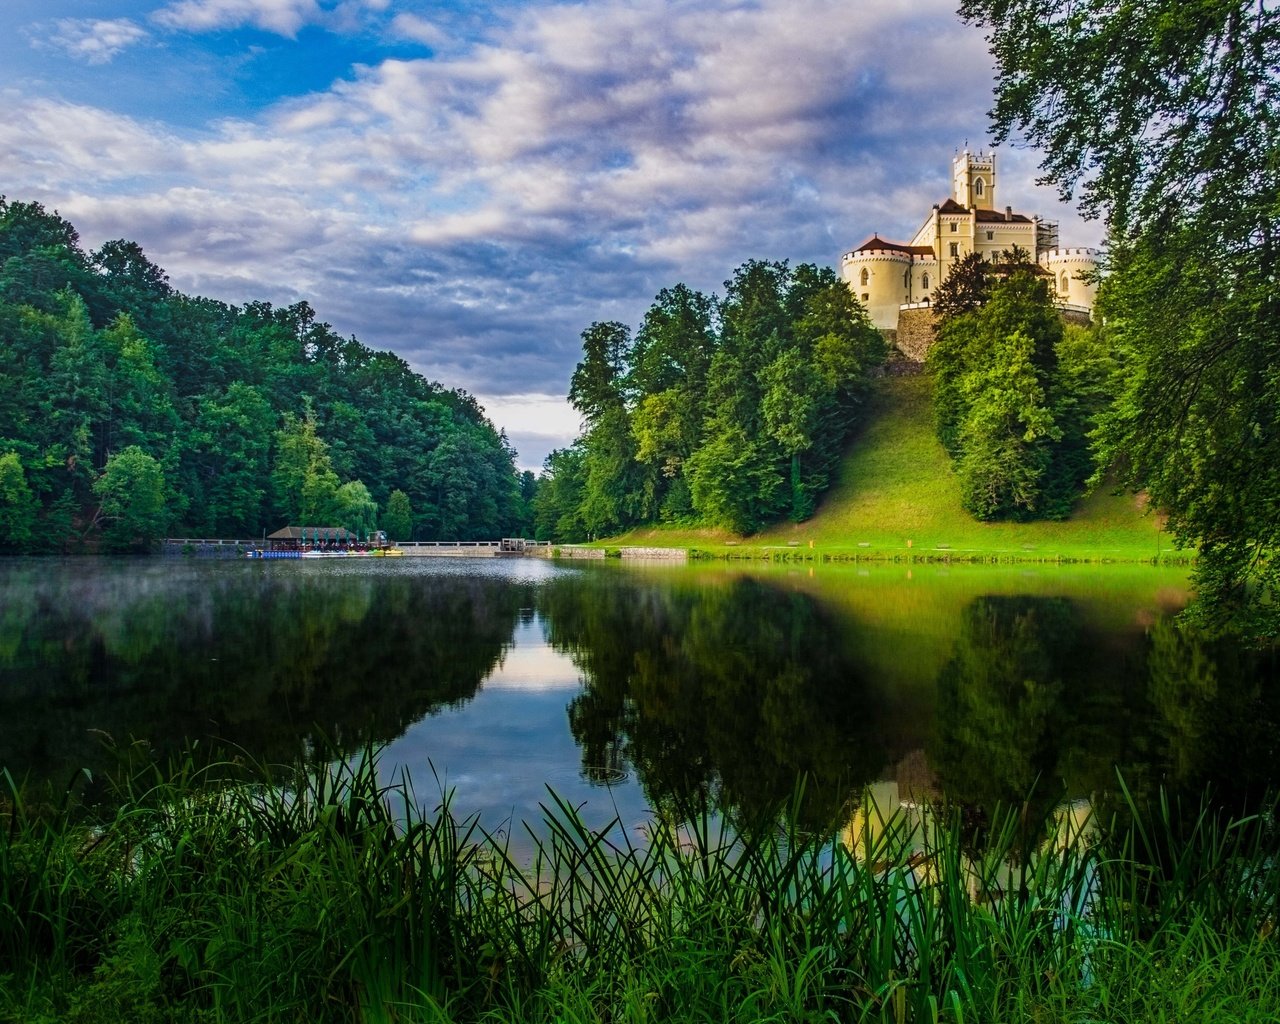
[916, 327]
[628, 554]
[566, 551]
[915, 332]
[656, 554]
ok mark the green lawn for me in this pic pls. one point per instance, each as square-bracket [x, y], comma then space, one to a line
[896, 496]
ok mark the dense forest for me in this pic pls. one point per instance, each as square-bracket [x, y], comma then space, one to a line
[1017, 392]
[727, 411]
[129, 411]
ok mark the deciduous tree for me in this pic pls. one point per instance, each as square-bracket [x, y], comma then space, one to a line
[397, 520]
[133, 514]
[1164, 117]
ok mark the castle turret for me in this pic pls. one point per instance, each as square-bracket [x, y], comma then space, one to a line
[883, 275]
[973, 180]
[1074, 271]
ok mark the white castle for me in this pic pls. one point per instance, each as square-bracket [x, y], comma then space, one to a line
[890, 277]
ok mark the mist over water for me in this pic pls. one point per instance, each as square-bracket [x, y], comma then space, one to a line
[628, 690]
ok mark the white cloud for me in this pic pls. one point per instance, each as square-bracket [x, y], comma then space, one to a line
[283, 17]
[61, 145]
[535, 414]
[418, 30]
[93, 40]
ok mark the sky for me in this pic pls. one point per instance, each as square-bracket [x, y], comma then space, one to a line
[471, 185]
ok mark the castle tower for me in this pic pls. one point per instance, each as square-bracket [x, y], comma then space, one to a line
[1073, 271]
[883, 275]
[973, 180]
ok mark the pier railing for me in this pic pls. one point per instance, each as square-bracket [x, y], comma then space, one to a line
[225, 547]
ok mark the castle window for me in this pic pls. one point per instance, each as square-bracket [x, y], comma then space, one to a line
[924, 281]
[1065, 282]
[955, 226]
[978, 187]
[906, 278]
[955, 249]
[990, 235]
[865, 296]
[865, 277]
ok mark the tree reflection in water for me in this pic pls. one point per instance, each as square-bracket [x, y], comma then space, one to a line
[709, 686]
[728, 692]
[276, 664]
[734, 690]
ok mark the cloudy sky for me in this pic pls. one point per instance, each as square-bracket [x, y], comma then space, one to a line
[472, 184]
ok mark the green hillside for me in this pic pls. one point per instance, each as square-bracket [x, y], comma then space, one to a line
[895, 495]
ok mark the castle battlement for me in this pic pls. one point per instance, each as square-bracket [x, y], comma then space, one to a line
[1082, 252]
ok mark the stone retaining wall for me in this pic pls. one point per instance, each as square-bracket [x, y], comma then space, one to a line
[915, 332]
[656, 554]
[572, 552]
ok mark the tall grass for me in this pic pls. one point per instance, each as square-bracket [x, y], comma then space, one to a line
[227, 893]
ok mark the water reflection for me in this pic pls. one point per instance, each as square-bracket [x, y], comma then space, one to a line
[1215, 716]
[730, 691]
[642, 691]
[272, 662]
[734, 686]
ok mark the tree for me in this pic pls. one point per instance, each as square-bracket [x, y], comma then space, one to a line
[675, 343]
[25, 227]
[355, 508]
[597, 382]
[17, 503]
[1164, 116]
[558, 502]
[99, 353]
[613, 497]
[397, 521]
[1005, 432]
[133, 513]
[227, 461]
[966, 288]
[695, 422]
[792, 403]
[303, 478]
[995, 387]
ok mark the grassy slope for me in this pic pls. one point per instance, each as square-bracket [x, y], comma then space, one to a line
[895, 494]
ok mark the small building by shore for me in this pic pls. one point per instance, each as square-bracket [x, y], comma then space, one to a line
[301, 538]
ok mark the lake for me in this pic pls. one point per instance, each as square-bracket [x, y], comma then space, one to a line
[627, 688]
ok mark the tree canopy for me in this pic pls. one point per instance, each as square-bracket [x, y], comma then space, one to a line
[729, 411]
[128, 410]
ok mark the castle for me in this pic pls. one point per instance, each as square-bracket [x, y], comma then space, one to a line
[895, 280]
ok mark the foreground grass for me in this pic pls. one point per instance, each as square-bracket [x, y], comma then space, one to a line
[333, 898]
[896, 496]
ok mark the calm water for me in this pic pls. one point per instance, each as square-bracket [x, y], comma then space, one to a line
[628, 688]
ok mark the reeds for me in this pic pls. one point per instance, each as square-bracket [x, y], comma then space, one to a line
[231, 893]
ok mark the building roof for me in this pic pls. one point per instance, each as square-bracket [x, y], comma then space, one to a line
[876, 242]
[310, 533]
[952, 207]
[998, 215]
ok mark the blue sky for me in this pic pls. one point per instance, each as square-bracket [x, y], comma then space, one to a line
[470, 185]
